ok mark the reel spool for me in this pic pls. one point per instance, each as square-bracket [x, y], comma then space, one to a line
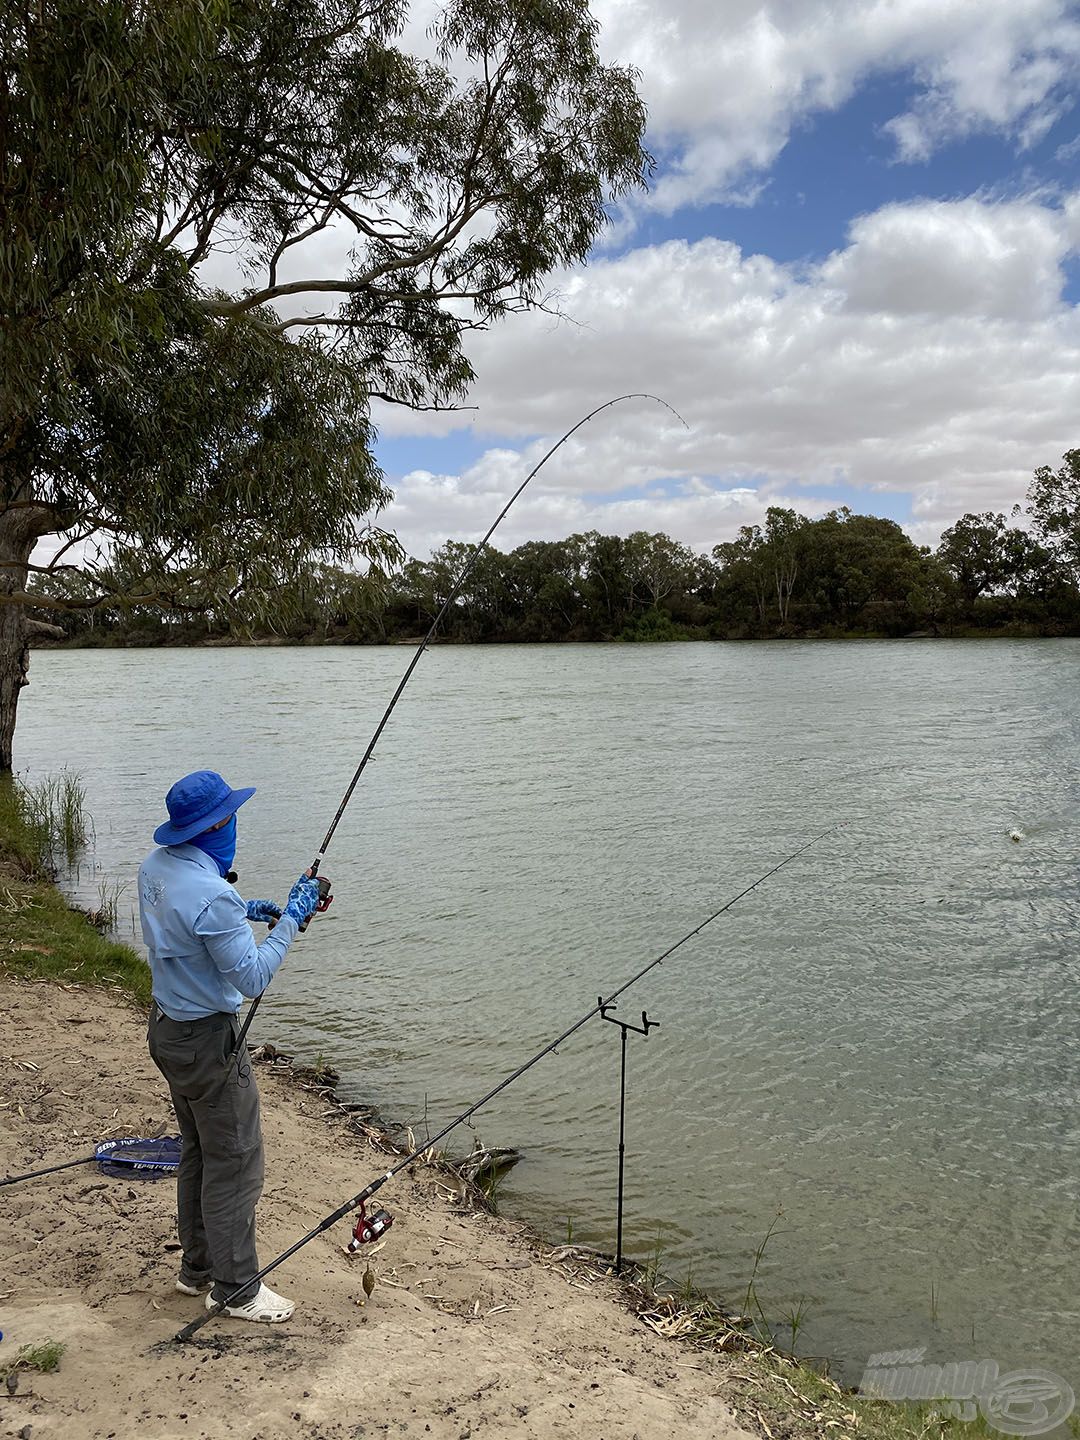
[369, 1228]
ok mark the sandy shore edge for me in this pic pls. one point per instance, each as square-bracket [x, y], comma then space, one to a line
[473, 1327]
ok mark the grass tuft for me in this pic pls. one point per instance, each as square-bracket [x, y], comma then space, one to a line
[651, 1269]
[44, 1358]
[751, 1303]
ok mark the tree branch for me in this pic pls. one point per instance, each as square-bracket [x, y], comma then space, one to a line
[44, 630]
[434, 247]
[394, 400]
[52, 602]
[40, 569]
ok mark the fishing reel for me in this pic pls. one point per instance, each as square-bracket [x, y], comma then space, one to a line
[369, 1228]
[325, 899]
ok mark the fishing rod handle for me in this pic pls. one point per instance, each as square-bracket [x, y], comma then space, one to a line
[325, 895]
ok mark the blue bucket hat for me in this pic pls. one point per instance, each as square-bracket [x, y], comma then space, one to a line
[197, 802]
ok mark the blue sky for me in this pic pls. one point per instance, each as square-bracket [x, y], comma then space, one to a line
[856, 275]
[840, 164]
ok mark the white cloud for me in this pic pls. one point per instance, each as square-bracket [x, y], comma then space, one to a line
[962, 258]
[1011, 74]
[932, 356]
[432, 508]
[725, 84]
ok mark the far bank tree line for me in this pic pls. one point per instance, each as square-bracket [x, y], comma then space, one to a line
[843, 574]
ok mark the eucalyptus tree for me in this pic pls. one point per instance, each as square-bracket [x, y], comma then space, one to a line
[1054, 507]
[860, 571]
[974, 550]
[545, 579]
[785, 539]
[658, 566]
[227, 227]
[743, 576]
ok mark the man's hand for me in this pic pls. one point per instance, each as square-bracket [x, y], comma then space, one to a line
[303, 899]
[264, 910]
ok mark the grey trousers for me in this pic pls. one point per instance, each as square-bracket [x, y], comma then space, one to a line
[221, 1161]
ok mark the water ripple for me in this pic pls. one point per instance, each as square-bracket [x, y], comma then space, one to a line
[882, 1040]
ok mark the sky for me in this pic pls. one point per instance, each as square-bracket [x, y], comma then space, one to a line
[856, 276]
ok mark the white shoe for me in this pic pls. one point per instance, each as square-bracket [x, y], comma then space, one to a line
[265, 1306]
[183, 1288]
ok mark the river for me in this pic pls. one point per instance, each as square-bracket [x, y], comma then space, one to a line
[881, 1042]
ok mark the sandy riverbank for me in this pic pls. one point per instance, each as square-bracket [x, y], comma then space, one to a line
[472, 1329]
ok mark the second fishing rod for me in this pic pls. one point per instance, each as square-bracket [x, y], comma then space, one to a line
[364, 1229]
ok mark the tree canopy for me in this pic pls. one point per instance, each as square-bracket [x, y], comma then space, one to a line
[226, 228]
[1054, 507]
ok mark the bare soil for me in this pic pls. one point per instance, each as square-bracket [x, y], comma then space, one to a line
[473, 1328]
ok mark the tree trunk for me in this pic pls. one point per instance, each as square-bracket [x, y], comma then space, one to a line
[762, 592]
[20, 529]
[786, 575]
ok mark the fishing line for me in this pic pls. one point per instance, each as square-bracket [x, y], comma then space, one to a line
[358, 1201]
[455, 591]
[453, 596]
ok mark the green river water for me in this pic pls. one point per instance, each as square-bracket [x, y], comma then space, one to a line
[883, 1040]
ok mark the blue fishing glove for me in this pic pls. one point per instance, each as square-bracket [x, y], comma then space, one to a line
[303, 899]
[263, 910]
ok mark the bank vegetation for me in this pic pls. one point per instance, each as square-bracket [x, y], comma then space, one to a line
[843, 574]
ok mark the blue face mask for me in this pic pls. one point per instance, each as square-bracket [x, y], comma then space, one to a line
[220, 845]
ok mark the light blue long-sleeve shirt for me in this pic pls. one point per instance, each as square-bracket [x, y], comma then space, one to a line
[203, 955]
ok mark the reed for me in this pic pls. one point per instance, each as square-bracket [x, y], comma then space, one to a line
[54, 811]
[106, 917]
[750, 1300]
[651, 1269]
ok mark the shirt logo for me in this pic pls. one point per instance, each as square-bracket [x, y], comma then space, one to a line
[153, 889]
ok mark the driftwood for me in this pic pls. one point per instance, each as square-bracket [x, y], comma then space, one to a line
[317, 1077]
[486, 1162]
[469, 1182]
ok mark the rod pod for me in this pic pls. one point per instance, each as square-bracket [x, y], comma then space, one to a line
[642, 1029]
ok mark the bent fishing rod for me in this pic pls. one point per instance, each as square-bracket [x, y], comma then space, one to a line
[325, 895]
[370, 1231]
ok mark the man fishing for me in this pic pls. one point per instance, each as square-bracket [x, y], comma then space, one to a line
[204, 961]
